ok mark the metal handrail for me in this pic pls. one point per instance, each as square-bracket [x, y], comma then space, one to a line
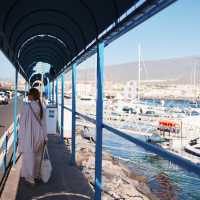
[183, 162]
[6, 142]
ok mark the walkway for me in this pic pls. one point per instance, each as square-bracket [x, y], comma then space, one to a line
[67, 182]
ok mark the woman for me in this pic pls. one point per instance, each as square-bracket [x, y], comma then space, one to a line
[32, 136]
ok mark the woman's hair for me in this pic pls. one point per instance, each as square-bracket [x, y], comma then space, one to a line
[36, 97]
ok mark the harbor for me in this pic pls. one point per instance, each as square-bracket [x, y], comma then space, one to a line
[175, 127]
[99, 100]
[180, 129]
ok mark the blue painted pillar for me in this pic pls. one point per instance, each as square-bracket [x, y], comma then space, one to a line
[57, 92]
[5, 144]
[53, 91]
[99, 121]
[62, 108]
[48, 89]
[15, 118]
[73, 158]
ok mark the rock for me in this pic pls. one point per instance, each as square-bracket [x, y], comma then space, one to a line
[119, 182]
[144, 189]
[107, 156]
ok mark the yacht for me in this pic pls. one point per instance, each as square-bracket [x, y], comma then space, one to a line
[193, 147]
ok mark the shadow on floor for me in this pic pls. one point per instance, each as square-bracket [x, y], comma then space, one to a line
[67, 182]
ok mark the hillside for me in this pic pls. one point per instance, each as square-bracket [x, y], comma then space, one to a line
[178, 70]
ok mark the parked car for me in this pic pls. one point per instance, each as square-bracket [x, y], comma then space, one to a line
[130, 110]
[3, 98]
[115, 116]
[10, 94]
[150, 113]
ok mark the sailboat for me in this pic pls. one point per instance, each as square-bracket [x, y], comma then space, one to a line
[193, 147]
[139, 72]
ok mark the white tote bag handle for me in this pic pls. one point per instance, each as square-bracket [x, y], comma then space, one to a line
[47, 153]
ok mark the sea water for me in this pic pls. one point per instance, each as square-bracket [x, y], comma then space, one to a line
[184, 185]
[181, 184]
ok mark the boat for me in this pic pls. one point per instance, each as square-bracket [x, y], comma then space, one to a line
[166, 125]
[193, 147]
[86, 98]
[155, 138]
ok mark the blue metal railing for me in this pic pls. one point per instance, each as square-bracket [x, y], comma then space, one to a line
[182, 162]
[6, 143]
[100, 125]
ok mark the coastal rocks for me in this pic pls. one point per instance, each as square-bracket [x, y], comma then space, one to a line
[119, 182]
[164, 188]
[144, 189]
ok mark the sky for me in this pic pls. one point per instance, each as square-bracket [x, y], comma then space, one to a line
[174, 32]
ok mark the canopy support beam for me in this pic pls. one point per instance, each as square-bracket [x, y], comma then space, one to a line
[99, 121]
[62, 108]
[15, 118]
[73, 158]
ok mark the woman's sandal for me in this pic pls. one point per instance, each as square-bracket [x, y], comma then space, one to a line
[30, 182]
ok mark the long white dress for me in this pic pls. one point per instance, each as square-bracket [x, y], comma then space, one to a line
[31, 134]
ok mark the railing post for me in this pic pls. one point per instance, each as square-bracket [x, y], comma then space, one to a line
[73, 158]
[62, 108]
[57, 92]
[5, 144]
[48, 89]
[53, 91]
[99, 120]
[15, 118]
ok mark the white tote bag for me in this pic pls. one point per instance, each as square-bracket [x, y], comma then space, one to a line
[46, 167]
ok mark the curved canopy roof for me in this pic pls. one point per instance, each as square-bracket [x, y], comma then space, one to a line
[62, 32]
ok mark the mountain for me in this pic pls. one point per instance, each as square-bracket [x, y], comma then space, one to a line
[177, 70]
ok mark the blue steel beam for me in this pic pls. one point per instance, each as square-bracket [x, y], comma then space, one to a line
[53, 91]
[62, 109]
[15, 118]
[5, 151]
[99, 121]
[50, 91]
[57, 93]
[180, 161]
[73, 158]
[176, 159]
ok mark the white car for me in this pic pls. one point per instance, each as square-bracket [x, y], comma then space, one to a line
[3, 98]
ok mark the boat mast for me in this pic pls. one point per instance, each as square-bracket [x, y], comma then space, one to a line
[195, 87]
[139, 69]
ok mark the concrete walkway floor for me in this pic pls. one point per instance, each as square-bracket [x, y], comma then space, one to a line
[66, 183]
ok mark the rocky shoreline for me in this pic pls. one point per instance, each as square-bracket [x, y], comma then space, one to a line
[119, 182]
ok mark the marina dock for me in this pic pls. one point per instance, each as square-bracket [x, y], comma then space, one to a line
[67, 182]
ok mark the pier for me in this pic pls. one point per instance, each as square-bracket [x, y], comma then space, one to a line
[67, 181]
[63, 34]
